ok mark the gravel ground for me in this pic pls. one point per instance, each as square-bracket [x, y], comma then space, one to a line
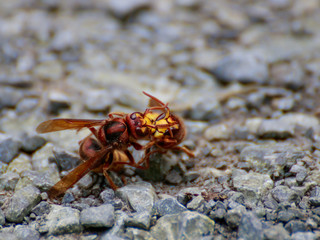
[244, 75]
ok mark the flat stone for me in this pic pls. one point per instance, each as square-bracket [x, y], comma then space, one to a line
[276, 232]
[177, 226]
[102, 216]
[9, 149]
[9, 97]
[185, 195]
[234, 216]
[139, 196]
[196, 203]
[304, 236]
[275, 128]
[253, 186]
[42, 208]
[20, 164]
[240, 67]
[250, 227]
[139, 220]
[65, 160]
[26, 232]
[218, 132]
[124, 8]
[168, 206]
[41, 180]
[40, 159]
[30, 144]
[8, 181]
[2, 218]
[107, 195]
[21, 203]
[295, 226]
[62, 220]
[284, 194]
[135, 233]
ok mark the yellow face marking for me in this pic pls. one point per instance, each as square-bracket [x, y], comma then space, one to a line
[159, 127]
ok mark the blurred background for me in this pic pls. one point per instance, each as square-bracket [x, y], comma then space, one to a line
[245, 76]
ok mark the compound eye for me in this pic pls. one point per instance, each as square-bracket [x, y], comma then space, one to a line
[133, 116]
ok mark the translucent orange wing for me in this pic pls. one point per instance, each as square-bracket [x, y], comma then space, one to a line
[76, 174]
[64, 124]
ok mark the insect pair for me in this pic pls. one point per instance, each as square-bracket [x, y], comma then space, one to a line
[106, 148]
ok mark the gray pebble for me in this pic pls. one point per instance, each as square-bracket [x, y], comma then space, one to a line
[68, 198]
[98, 100]
[301, 173]
[8, 236]
[3, 167]
[17, 81]
[199, 204]
[25, 232]
[86, 182]
[42, 208]
[295, 226]
[27, 104]
[250, 227]
[2, 218]
[235, 199]
[8, 181]
[160, 164]
[191, 176]
[275, 128]
[30, 144]
[178, 226]
[62, 220]
[304, 236]
[304, 203]
[9, 97]
[21, 203]
[108, 236]
[218, 214]
[234, 216]
[185, 195]
[9, 149]
[314, 201]
[284, 194]
[58, 102]
[209, 108]
[301, 120]
[286, 215]
[284, 104]
[253, 186]
[107, 195]
[102, 216]
[244, 68]
[276, 232]
[174, 176]
[168, 206]
[139, 196]
[65, 160]
[289, 75]
[271, 215]
[135, 233]
[315, 192]
[118, 227]
[41, 180]
[139, 220]
[196, 203]
[124, 8]
[271, 159]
